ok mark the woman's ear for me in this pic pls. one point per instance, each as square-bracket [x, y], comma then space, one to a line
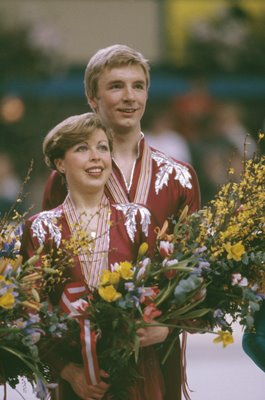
[59, 163]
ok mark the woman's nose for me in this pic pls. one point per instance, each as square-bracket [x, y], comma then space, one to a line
[94, 154]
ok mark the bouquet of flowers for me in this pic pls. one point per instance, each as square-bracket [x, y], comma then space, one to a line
[226, 239]
[25, 320]
[208, 274]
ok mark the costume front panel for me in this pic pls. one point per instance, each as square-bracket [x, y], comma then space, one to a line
[126, 228]
[123, 231]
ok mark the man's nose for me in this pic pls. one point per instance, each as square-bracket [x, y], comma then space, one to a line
[128, 93]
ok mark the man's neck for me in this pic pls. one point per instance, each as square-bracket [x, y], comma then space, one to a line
[125, 152]
[126, 145]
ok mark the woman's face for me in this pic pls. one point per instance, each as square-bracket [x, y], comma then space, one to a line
[87, 165]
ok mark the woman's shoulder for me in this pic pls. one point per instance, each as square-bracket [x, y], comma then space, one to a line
[50, 215]
[46, 224]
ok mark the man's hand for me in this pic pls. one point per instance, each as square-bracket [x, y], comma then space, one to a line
[152, 335]
[75, 375]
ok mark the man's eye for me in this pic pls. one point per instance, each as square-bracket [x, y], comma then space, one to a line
[115, 86]
[139, 86]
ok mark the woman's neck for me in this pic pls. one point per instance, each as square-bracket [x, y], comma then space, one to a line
[86, 202]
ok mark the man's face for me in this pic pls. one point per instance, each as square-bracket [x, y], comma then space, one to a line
[121, 98]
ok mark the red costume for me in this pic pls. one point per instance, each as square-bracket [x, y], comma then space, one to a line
[121, 228]
[165, 186]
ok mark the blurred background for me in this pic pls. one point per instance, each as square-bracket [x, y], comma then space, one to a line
[207, 99]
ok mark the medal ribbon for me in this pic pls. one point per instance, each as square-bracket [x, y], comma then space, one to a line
[73, 292]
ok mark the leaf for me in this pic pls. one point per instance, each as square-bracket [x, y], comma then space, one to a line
[195, 314]
[136, 348]
[25, 359]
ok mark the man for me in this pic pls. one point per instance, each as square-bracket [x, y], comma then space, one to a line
[116, 85]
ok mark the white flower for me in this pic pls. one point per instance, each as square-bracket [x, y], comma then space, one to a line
[166, 248]
[113, 267]
[129, 286]
[237, 279]
[35, 336]
[243, 282]
[141, 273]
[169, 263]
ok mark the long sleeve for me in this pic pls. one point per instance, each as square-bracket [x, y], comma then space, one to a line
[50, 355]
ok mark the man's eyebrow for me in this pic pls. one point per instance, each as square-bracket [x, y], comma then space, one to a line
[115, 81]
[140, 81]
[121, 81]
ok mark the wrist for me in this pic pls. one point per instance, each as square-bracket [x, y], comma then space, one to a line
[68, 372]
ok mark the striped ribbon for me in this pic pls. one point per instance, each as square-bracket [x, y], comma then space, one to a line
[73, 292]
[116, 191]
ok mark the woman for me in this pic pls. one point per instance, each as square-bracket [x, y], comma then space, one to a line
[79, 148]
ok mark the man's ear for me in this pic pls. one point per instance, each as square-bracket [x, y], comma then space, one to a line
[59, 163]
[92, 101]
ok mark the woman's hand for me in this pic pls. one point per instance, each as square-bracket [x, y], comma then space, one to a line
[75, 375]
[152, 334]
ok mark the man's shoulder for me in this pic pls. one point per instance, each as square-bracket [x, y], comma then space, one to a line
[162, 158]
[170, 171]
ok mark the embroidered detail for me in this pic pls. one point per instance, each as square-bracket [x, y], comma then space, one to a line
[94, 261]
[167, 167]
[47, 219]
[130, 211]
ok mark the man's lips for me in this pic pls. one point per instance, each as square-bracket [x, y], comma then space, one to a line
[127, 110]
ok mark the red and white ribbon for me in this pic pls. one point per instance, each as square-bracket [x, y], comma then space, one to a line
[71, 294]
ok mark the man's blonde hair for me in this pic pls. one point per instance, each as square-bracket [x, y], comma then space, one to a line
[70, 132]
[110, 57]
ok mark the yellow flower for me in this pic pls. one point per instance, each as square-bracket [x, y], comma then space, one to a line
[142, 249]
[224, 337]
[7, 300]
[16, 263]
[184, 213]
[31, 304]
[125, 270]
[105, 277]
[235, 251]
[109, 278]
[114, 278]
[109, 293]
[3, 264]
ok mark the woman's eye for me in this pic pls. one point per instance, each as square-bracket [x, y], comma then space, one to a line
[103, 147]
[81, 148]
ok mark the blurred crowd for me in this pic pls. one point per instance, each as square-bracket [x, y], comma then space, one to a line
[193, 127]
[9, 183]
[208, 133]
